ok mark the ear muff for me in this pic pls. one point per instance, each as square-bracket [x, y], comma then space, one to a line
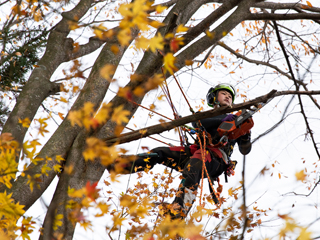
[212, 97]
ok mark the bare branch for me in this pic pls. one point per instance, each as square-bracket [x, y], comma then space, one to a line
[142, 133]
[309, 130]
[306, 195]
[238, 55]
[286, 6]
[283, 17]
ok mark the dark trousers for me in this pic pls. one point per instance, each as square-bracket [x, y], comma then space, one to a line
[188, 161]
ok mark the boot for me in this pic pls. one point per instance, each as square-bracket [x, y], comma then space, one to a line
[182, 203]
[122, 165]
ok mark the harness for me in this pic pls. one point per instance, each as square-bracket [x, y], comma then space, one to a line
[204, 142]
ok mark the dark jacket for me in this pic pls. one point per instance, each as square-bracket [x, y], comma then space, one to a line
[211, 125]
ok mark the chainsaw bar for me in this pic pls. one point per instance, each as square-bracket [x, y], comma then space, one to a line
[242, 124]
[247, 113]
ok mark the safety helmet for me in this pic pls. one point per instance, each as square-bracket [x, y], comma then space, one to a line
[212, 93]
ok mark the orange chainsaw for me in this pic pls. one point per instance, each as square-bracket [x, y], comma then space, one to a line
[241, 125]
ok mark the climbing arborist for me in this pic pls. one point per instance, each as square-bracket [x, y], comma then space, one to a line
[189, 159]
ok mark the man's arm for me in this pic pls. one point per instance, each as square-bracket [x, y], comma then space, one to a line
[244, 143]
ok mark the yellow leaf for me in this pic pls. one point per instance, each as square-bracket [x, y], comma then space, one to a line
[93, 148]
[43, 125]
[62, 99]
[45, 169]
[59, 159]
[181, 28]
[73, 193]
[168, 62]
[156, 43]
[142, 131]
[61, 115]
[309, 4]
[103, 113]
[160, 8]
[57, 221]
[99, 31]
[109, 155]
[37, 16]
[68, 169]
[209, 34]
[57, 168]
[120, 115]
[304, 234]
[188, 62]
[230, 191]
[156, 24]
[107, 71]
[73, 25]
[8, 208]
[88, 108]
[142, 43]
[117, 220]
[125, 92]
[124, 37]
[160, 98]
[152, 106]
[154, 81]
[114, 49]
[75, 118]
[104, 208]
[301, 176]
[139, 91]
[113, 177]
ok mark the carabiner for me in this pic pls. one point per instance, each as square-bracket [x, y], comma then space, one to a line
[223, 140]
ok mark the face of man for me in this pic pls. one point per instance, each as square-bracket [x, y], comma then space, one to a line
[225, 98]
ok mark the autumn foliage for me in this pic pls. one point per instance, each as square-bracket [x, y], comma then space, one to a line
[56, 121]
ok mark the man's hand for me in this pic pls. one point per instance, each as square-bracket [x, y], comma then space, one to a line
[229, 118]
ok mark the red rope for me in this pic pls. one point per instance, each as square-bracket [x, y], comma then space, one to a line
[150, 110]
[191, 110]
[204, 168]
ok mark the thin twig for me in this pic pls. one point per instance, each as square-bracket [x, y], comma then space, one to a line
[309, 130]
[244, 200]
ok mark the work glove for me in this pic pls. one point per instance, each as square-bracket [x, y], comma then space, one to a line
[229, 118]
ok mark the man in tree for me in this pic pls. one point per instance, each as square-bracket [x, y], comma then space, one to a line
[189, 160]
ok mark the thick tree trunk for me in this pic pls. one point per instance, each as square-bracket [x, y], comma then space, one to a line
[60, 143]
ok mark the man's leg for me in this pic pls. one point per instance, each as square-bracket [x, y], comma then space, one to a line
[192, 174]
[173, 157]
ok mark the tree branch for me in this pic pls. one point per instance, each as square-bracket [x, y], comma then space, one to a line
[309, 130]
[283, 6]
[159, 128]
[238, 55]
[283, 17]
[194, 32]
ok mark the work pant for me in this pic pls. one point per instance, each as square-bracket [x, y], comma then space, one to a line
[186, 160]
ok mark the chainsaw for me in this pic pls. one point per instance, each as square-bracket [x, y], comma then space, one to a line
[241, 125]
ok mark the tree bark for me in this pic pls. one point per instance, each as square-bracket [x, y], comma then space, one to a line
[39, 86]
[61, 141]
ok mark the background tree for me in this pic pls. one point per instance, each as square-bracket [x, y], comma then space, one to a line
[60, 64]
